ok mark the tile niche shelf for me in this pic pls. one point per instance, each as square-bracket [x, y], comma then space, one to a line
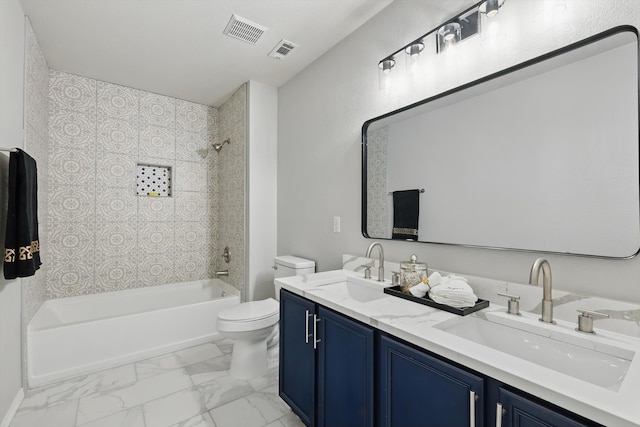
[153, 180]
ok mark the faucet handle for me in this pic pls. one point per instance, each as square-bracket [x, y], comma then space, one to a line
[367, 271]
[395, 278]
[586, 318]
[514, 303]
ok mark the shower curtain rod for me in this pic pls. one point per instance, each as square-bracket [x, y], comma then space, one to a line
[13, 150]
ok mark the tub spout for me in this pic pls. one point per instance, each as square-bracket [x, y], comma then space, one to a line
[222, 273]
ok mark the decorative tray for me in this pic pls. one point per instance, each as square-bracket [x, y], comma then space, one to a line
[396, 292]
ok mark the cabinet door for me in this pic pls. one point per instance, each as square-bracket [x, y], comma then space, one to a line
[297, 358]
[519, 411]
[418, 390]
[345, 372]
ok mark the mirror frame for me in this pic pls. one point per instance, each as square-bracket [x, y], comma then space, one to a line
[519, 66]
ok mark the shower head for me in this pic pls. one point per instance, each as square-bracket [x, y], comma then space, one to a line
[218, 146]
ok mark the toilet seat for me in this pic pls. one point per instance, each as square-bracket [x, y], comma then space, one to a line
[249, 316]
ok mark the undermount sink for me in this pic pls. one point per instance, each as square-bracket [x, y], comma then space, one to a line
[593, 359]
[359, 289]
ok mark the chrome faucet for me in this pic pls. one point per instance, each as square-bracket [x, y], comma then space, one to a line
[380, 259]
[547, 302]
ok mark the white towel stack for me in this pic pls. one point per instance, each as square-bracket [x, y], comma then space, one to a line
[451, 290]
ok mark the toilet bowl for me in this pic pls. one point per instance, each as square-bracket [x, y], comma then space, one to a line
[253, 325]
[249, 325]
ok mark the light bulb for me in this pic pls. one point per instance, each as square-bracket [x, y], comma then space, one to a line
[492, 7]
[450, 32]
[414, 49]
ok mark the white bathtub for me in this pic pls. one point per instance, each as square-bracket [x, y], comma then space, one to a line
[76, 335]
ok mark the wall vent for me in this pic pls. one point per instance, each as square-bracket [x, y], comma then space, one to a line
[283, 49]
[243, 29]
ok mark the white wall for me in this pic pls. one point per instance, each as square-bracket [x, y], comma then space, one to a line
[262, 190]
[11, 135]
[322, 109]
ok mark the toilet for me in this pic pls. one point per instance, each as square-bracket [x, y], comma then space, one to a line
[253, 325]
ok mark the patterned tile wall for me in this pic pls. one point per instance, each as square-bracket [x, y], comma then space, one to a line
[377, 195]
[103, 237]
[34, 291]
[231, 186]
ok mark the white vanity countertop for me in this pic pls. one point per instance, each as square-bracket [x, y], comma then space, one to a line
[414, 323]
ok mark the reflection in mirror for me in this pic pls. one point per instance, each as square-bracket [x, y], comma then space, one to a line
[542, 156]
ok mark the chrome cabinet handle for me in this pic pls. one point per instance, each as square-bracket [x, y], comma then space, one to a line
[472, 408]
[306, 326]
[499, 412]
[315, 332]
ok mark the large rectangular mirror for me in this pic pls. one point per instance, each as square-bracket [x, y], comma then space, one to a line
[542, 156]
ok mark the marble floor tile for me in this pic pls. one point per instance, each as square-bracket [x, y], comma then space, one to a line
[209, 370]
[269, 404]
[223, 390]
[145, 390]
[289, 420]
[175, 408]
[187, 388]
[61, 414]
[75, 388]
[179, 359]
[130, 418]
[224, 344]
[266, 380]
[238, 413]
[202, 420]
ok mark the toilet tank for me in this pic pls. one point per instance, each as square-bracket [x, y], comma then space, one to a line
[289, 265]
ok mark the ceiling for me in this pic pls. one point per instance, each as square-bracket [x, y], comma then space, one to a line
[177, 47]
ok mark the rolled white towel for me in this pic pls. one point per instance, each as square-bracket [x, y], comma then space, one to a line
[452, 302]
[454, 291]
[435, 279]
[452, 288]
[419, 290]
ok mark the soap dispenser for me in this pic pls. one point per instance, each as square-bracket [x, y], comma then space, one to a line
[412, 273]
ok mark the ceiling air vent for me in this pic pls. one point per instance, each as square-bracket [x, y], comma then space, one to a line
[283, 49]
[243, 29]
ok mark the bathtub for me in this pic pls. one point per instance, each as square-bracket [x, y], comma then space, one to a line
[77, 335]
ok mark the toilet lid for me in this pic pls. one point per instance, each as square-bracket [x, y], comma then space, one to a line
[252, 310]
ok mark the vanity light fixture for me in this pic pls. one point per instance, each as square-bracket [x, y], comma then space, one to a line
[458, 29]
[490, 7]
[386, 65]
[384, 73]
[414, 49]
[449, 33]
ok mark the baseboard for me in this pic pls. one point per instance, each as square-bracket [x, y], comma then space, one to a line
[8, 417]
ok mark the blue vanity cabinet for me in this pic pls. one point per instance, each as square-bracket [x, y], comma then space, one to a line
[518, 410]
[417, 390]
[345, 372]
[337, 372]
[297, 356]
[326, 365]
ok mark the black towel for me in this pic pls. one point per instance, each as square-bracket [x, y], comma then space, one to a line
[22, 247]
[406, 208]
